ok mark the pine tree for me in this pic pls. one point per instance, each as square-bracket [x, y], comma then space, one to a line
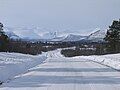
[1, 29]
[113, 37]
[3, 39]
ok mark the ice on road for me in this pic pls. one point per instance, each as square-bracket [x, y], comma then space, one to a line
[60, 73]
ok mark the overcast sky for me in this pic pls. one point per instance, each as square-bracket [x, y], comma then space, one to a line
[59, 14]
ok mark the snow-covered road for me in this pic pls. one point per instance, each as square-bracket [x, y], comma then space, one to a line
[60, 73]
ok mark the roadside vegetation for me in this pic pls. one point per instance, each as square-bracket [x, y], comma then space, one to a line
[85, 49]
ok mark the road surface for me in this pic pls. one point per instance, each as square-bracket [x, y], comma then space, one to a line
[60, 73]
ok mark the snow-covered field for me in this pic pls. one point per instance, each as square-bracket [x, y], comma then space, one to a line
[58, 72]
[111, 60]
[12, 64]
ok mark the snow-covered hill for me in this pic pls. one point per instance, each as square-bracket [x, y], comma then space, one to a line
[97, 35]
[58, 38]
[72, 37]
[12, 35]
[49, 35]
[22, 32]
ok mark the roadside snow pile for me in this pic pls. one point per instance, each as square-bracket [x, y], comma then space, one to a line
[13, 64]
[111, 60]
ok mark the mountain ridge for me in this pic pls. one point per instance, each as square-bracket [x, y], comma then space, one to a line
[96, 36]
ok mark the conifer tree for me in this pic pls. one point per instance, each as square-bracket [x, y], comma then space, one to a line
[113, 37]
[3, 39]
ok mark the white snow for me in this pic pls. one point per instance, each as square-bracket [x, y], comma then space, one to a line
[111, 60]
[97, 35]
[61, 73]
[49, 35]
[72, 37]
[12, 64]
[10, 34]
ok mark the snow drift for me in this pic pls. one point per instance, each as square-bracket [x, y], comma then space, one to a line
[111, 60]
[13, 64]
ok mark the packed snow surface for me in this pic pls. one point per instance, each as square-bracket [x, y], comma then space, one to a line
[12, 64]
[61, 73]
[111, 60]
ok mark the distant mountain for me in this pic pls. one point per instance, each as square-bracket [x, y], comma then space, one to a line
[97, 35]
[58, 38]
[36, 34]
[21, 32]
[49, 35]
[12, 35]
[72, 37]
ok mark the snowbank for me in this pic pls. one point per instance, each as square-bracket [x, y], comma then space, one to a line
[111, 60]
[12, 64]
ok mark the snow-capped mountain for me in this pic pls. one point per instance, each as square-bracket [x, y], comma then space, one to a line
[41, 35]
[21, 32]
[72, 37]
[12, 35]
[31, 33]
[58, 38]
[97, 35]
[49, 35]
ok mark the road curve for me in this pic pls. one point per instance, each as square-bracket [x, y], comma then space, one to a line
[59, 73]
